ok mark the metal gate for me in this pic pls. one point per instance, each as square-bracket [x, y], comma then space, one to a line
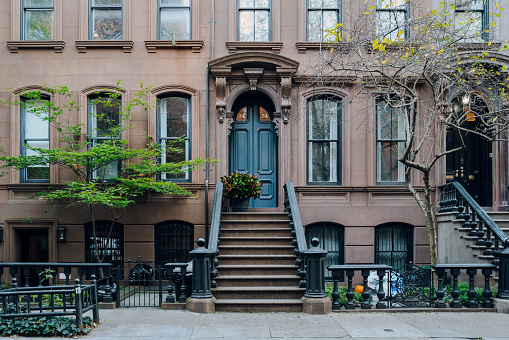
[412, 286]
[139, 284]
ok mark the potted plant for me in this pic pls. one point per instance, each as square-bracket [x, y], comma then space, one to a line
[239, 188]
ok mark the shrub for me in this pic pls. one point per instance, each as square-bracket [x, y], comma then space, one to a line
[357, 298]
[45, 326]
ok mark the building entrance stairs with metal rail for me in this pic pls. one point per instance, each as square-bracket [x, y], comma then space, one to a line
[257, 271]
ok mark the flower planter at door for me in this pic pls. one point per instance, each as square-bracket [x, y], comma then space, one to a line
[239, 204]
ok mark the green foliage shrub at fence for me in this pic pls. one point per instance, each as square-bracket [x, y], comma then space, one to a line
[45, 326]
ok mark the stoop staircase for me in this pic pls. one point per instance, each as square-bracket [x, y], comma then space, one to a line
[257, 271]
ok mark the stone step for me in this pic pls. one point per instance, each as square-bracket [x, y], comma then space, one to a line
[273, 216]
[256, 250]
[257, 280]
[246, 241]
[256, 259]
[267, 270]
[256, 293]
[259, 305]
[253, 224]
[245, 232]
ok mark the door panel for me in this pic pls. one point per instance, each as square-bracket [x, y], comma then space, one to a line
[253, 148]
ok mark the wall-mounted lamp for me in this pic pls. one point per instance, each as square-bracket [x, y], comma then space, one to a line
[466, 99]
[1, 234]
[61, 234]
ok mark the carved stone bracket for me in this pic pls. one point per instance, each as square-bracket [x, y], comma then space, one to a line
[286, 98]
[276, 122]
[221, 98]
[252, 75]
[230, 125]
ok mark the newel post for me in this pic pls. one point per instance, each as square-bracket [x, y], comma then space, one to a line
[201, 300]
[503, 273]
[315, 301]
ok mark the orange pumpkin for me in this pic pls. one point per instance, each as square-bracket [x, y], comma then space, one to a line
[359, 289]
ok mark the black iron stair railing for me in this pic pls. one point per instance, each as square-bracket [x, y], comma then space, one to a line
[215, 224]
[454, 198]
[299, 238]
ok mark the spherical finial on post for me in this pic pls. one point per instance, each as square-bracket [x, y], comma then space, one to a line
[76, 281]
[200, 242]
[315, 241]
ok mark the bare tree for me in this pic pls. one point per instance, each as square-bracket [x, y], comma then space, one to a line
[432, 75]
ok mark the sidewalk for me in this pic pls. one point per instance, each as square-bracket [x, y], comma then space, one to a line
[155, 323]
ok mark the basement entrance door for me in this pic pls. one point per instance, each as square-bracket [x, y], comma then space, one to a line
[253, 147]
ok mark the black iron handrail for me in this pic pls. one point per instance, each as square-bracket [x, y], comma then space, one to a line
[292, 207]
[215, 224]
[454, 200]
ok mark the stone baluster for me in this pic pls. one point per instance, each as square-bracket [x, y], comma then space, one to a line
[461, 209]
[349, 293]
[335, 294]
[488, 243]
[480, 234]
[471, 288]
[473, 225]
[26, 273]
[365, 292]
[39, 277]
[67, 273]
[440, 272]
[455, 292]
[488, 302]
[466, 216]
[183, 288]
[170, 298]
[496, 260]
[380, 294]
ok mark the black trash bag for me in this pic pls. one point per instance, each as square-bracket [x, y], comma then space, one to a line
[106, 287]
[141, 274]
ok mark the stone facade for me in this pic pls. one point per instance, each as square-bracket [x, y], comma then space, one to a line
[275, 69]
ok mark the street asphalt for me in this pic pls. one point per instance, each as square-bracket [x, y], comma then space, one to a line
[155, 323]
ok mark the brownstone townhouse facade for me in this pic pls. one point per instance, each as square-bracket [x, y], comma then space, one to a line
[240, 66]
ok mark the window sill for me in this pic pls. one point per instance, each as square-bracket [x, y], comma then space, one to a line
[56, 45]
[126, 45]
[153, 45]
[272, 46]
[304, 46]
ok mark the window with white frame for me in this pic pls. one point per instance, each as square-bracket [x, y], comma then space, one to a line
[390, 143]
[324, 140]
[174, 132]
[38, 22]
[105, 20]
[391, 19]
[104, 126]
[471, 19]
[322, 15]
[35, 135]
[254, 20]
[174, 20]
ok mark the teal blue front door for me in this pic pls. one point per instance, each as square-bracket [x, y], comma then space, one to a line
[253, 150]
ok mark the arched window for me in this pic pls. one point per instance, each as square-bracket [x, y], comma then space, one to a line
[174, 132]
[324, 140]
[112, 247]
[394, 245]
[332, 239]
[173, 242]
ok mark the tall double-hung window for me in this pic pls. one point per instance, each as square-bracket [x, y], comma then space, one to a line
[391, 19]
[394, 245]
[471, 18]
[174, 132]
[105, 20]
[104, 126]
[174, 20]
[390, 143]
[35, 134]
[322, 15]
[324, 140]
[38, 20]
[254, 20]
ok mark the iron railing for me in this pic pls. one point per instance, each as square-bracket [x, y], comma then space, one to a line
[454, 198]
[299, 241]
[77, 299]
[215, 224]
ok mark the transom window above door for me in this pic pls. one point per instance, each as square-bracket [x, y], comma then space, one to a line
[254, 20]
